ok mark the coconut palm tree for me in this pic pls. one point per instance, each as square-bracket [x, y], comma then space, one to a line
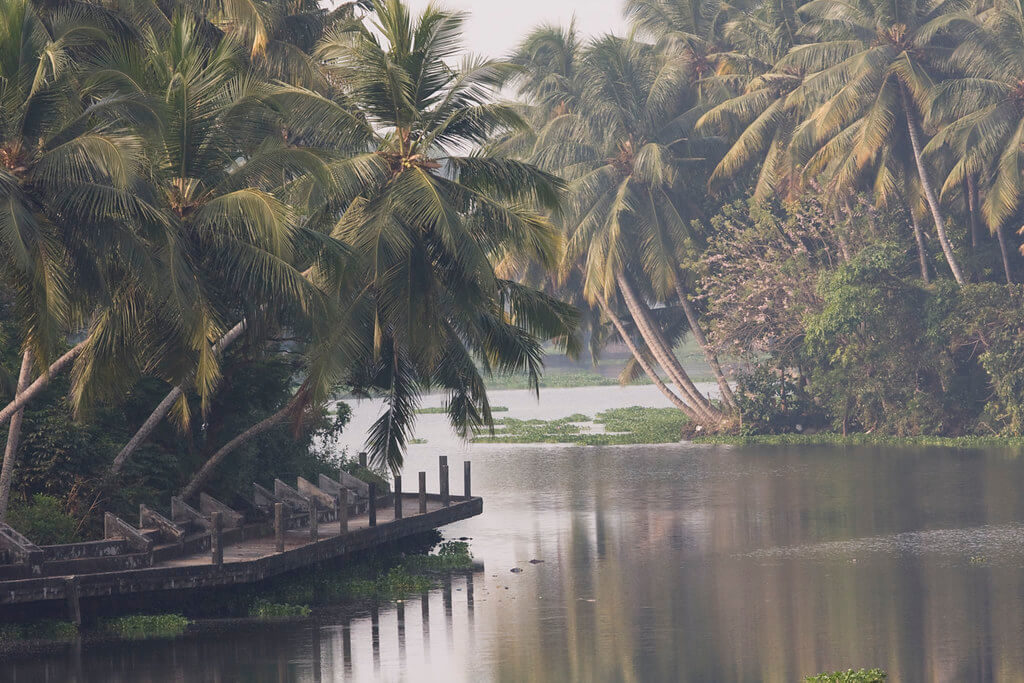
[427, 221]
[983, 123]
[870, 67]
[69, 172]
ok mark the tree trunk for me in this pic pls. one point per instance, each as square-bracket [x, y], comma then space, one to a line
[164, 407]
[972, 208]
[37, 386]
[929, 192]
[709, 353]
[922, 252]
[662, 352]
[1001, 235]
[207, 469]
[13, 437]
[642, 360]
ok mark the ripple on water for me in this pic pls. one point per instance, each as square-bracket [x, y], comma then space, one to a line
[995, 544]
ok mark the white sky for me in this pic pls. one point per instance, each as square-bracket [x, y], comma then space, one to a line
[495, 27]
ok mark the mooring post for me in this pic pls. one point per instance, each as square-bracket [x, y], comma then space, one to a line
[362, 458]
[465, 480]
[398, 497]
[443, 480]
[343, 511]
[423, 493]
[314, 521]
[279, 527]
[373, 505]
[71, 594]
[216, 540]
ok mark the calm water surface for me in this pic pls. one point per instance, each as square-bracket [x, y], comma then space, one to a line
[668, 563]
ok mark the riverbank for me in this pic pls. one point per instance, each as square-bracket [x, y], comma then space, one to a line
[833, 439]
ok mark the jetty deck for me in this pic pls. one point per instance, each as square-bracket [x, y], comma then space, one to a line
[214, 546]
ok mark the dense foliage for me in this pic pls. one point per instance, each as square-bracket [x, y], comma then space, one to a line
[217, 217]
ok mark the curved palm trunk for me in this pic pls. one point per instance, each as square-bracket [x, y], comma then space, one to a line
[23, 397]
[922, 252]
[1001, 235]
[929, 192]
[642, 360]
[164, 407]
[200, 477]
[662, 353]
[13, 437]
[705, 346]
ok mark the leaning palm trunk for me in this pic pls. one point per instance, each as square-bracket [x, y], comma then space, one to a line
[922, 253]
[1001, 236]
[709, 353]
[33, 390]
[929, 192]
[662, 353]
[13, 437]
[641, 359]
[200, 478]
[164, 407]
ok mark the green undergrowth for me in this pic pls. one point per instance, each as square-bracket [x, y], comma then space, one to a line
[849, 676]
[622, 426]
[378, 577]
[48, 629]
[143, 626]
[832, 439]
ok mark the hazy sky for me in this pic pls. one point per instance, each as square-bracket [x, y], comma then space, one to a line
[497, 26]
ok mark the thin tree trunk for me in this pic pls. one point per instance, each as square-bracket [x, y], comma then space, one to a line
[929, 192]
[662, 353]
[641, 359]
[972, 208]
[13, 437]
[40, 383]
[164, 407]
[922, 252]
[1001, 235]
[200, 477]
[709, 353]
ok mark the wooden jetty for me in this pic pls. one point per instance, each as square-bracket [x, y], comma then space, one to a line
[215, 546]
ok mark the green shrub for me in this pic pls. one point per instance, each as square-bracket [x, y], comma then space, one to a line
[849, 676]
[142, 626]
[43, 521]
[264, 609]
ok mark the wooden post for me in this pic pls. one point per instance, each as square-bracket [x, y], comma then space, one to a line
[373, 505]
[446, 498]
[398, 497]
[343, 511]
[216, 540]
[465, 480]
[279, 527]
[423, 493]
[314, 521]
[71, 595]
[442, 478]
[362, 458]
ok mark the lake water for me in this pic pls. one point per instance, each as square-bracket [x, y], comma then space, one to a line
[667, 563]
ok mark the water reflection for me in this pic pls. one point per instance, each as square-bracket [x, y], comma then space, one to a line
[674, 563]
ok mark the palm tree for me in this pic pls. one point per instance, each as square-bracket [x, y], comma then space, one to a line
[68, 179]
[625, 149]
[870, 68]
[233, 249]
[983, 121]
[427, 221]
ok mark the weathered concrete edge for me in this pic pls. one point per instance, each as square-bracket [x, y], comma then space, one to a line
[154, 579]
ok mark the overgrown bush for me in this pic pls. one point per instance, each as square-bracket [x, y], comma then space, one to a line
[143, 626]
[43, 521]
[849, 676]
[770, 401]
